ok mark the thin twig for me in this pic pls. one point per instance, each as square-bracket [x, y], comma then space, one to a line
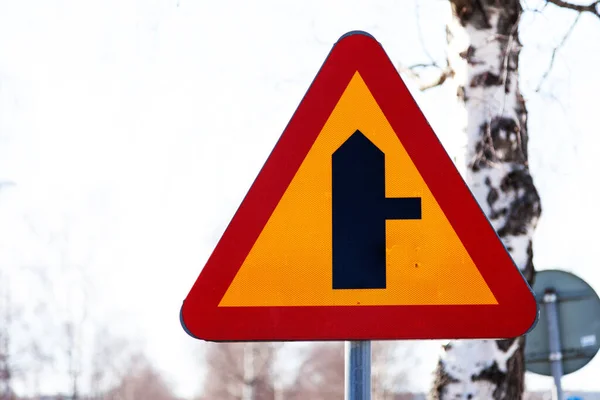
[445, 74]
[527, 7]
[555, 51]
[424, 65]
[592, 8]
[445, 71]
[420, 35]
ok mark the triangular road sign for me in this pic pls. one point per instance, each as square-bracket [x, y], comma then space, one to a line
[358, 227]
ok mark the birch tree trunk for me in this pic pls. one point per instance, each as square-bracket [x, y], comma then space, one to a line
[483, 54]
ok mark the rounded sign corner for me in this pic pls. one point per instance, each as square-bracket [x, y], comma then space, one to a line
[536, 319]
[183, 325]
[357, 32]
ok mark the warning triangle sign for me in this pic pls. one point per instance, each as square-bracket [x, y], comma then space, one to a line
[358, 227]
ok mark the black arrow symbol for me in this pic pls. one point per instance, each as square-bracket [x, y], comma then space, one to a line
[359, 210]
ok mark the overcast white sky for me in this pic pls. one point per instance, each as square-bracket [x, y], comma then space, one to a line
[136, 127]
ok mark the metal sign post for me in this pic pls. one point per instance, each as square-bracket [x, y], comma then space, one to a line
[357, 370]
[550, 299]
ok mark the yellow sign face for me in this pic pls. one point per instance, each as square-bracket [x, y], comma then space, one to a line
[291, 262]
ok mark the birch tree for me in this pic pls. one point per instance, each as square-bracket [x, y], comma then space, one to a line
[483, 58]
[240, 371]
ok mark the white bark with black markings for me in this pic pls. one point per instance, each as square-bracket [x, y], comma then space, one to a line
[483, 53]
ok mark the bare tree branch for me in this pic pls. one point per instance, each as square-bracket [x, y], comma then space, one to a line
[528, 8]
[433, 64]
[444, 71]
[420, 35]
[555, 51]
[581, 8]
[444, 74]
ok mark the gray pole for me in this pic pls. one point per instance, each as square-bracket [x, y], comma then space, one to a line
[248, 390]
[550, 303]
[358, 370]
